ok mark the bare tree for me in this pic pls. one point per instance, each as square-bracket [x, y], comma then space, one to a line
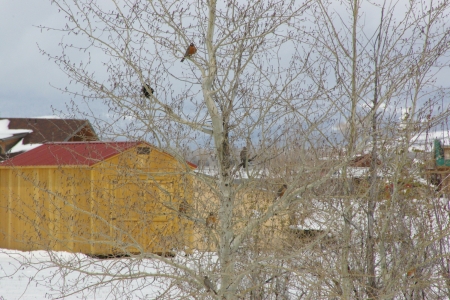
[306, 87]
[380, 58]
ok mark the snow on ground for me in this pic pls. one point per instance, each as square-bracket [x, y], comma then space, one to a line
[29, 275]
[36, 275]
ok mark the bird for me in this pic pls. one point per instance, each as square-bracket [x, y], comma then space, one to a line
[281, 191]
[243, 155]
[191, 50]
[411, 272]
[184, 206]
[209, 285]
[145, 89]
[211, 220]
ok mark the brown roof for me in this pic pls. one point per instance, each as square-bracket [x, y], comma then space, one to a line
[363, 161]
[54, 130]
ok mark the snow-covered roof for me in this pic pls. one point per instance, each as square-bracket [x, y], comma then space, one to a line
[311, 224]
[242, 173]
[48, 117]
[424, 141]
[21, 147]
[5, 132]
[25, 134]
[358, 172]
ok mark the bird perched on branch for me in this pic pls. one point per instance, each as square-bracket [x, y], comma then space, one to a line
[411, 272]
[184, 206]
[244, 158]
[191, 50]
[209, 285]
[281, 191]
[146, 90]
[211, 220]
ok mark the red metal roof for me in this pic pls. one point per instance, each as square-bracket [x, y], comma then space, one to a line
[72, 153]
[69, 153]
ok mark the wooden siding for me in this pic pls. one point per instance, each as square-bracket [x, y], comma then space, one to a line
[126, 204]
[250, 203]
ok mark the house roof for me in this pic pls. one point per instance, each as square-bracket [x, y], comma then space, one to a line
[6, 133]
[363, 161]
[51, 130]
[71, 153]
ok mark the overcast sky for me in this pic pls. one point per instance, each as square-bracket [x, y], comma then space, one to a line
[26, 75]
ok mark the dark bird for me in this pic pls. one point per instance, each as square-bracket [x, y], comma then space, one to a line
[191, 50]
[184, 206]
[146, 89]
[209, 285]
[211, 220]
[281, 191]
[244, 158]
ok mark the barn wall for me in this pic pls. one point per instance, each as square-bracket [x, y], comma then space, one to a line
[127, 204]
[143, 193]
[250, 203]
[37, 207]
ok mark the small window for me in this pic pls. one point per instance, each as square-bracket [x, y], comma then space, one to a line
[446, 154]
[143, 150]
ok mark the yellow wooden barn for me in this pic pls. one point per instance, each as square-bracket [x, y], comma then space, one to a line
[98, 198]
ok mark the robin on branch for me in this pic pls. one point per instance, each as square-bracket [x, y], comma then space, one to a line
[184, 206]
[211, 220]
[281, 191]
[209, 285]
[244, 158]
[411, 272]
[191, 50]
[146, 89]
